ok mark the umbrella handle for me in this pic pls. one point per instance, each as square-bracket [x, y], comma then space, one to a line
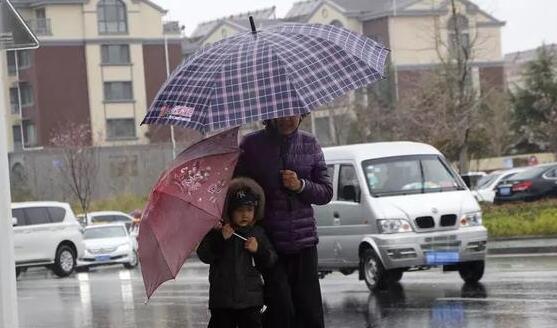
[237, 235]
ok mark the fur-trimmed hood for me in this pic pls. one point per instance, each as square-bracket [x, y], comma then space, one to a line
[246, 183]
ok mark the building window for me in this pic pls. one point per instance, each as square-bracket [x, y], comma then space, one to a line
[336, 23]
[120, 128]
[26, 94]
[115, 54]
[18, 141]
[29, 134]
[459, 36]
[23, 61]
[112, 18]
[118, 92]
[14, 101]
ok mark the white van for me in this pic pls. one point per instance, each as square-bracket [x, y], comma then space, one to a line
[398, 206]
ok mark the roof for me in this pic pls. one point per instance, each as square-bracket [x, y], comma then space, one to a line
[105, 225]
[528, 55]
[361, 152]
[206, 28]
[39, 204]
[98, 213]
[34, 3]
[370, 9]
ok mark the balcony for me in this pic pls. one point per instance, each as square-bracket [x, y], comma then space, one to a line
[40, 26]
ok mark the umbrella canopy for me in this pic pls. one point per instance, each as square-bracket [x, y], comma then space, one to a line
[186, 202]
[278, 71]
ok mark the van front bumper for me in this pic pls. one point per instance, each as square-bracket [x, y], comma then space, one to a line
[406, 250]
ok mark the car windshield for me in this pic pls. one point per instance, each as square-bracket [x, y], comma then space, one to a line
[409, 175]
[530, 173]
[486, 180]
[104, 232]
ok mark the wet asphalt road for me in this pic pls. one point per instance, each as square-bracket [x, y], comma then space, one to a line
[515, 292]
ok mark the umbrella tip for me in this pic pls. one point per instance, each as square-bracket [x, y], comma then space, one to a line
[252, 23]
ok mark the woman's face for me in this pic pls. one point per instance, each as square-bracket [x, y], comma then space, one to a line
[287, 125]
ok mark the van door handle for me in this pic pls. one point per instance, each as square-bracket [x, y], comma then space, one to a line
[336, 215]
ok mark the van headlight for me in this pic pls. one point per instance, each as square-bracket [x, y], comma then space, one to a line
[394, 226]
[472, 219]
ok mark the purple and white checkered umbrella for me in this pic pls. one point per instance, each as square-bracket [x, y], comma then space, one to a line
[283, 70]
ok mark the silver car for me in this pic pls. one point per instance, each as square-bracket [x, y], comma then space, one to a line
[398, 206]
[107, 244]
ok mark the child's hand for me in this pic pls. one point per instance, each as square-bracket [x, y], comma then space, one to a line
[251, 245]
[218, 226]
[227, 231]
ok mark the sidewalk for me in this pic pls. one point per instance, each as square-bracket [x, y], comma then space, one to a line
[522, 245]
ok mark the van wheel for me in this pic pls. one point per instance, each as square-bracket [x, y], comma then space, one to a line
[471, 272]
[375, 275]
[64, 263]
[18, 271]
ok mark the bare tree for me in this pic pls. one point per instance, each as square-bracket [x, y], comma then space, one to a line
[79, 167]
[445, 109]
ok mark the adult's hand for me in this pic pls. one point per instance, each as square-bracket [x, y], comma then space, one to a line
[290, 180]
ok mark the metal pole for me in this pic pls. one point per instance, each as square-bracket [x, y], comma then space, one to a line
[19, 107]
[172, 136]
[8, 290]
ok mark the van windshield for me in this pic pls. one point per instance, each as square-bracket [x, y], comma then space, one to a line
[406, 175]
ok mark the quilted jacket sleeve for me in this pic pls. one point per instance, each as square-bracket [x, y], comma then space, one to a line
[319, 189]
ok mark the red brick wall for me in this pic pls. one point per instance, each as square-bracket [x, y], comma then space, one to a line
[58, 76]
[155, 76]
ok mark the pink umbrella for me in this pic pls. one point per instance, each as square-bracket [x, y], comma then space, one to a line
[186, 202]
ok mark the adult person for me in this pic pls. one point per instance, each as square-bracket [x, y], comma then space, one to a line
[290, 166]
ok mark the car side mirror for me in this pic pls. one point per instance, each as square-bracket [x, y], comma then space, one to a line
[351, 193]
[14, 222]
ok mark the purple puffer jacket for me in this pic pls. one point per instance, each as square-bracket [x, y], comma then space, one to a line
[289, 220]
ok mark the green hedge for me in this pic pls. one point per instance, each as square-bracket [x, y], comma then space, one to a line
[521, 219]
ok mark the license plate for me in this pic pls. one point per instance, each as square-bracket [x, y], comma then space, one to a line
[436, 258]
[102, 258]
[505, 191]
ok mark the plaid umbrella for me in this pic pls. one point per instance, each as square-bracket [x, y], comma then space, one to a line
[278, 71]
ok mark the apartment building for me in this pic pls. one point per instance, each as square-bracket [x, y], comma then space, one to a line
[99, 63]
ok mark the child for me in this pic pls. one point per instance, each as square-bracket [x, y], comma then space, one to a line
[236, 285]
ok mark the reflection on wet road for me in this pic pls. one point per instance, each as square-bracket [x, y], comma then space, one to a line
[516, 292]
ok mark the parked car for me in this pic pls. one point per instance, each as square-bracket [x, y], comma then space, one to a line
[486, 187]
[109, 217]
[107, 244]
[471, 179]
[534, 183]
[398, 206]
[46, 234]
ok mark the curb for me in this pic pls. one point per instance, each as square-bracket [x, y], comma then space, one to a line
[522, 250]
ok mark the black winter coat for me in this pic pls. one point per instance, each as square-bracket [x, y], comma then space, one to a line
[235, 283]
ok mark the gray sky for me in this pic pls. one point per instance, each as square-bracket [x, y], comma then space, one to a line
[529, 22]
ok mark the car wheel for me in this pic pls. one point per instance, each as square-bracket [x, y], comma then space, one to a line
[133, 262]
[471, 272]
[64, 263]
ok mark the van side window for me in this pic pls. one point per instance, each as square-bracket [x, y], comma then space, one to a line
[347, 178]
[37, 215]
